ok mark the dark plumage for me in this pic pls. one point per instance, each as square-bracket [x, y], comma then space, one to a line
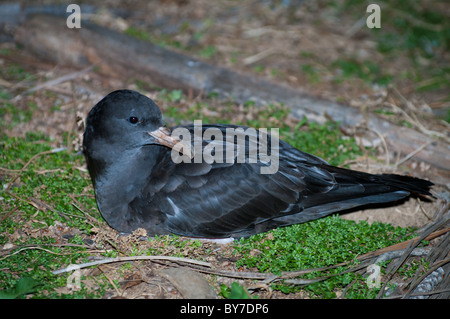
[138, 185]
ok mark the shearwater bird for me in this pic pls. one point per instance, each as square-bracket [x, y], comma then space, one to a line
[204, 183]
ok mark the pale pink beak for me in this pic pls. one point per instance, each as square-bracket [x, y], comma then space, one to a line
[163, 136]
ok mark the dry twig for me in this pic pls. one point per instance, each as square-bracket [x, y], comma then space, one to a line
[131, 258]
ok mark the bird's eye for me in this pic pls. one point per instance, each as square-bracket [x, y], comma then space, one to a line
[133, 119]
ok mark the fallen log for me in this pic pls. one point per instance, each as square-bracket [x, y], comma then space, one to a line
[119, 55]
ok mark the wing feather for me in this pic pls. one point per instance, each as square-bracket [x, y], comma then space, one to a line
[219, 199]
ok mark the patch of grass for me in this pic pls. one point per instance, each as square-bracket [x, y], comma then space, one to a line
[15, 73]
[34, 206]
[415, 27]
[323, 140]
[410, 269]
[258, 68]
[11, 115]
[368, 71]
[49, 178]
[236, 291]
[35, 258]
[320, 243]
[171, 95]
[24, 285]
[207, 52]
[312, 73]
[137, 33]
[416, 30]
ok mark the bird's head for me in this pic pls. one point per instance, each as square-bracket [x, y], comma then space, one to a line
[122, 123]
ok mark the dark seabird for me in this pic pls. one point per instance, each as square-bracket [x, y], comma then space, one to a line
[141, 183]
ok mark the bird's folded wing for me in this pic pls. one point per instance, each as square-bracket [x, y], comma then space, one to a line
[218, 199]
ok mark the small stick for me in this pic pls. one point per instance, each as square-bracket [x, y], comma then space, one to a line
[407, 157]
[131, 258]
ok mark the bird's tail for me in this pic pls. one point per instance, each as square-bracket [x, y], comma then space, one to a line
[413, 185]
[355, 189]
[382, 182]
[365, 188]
